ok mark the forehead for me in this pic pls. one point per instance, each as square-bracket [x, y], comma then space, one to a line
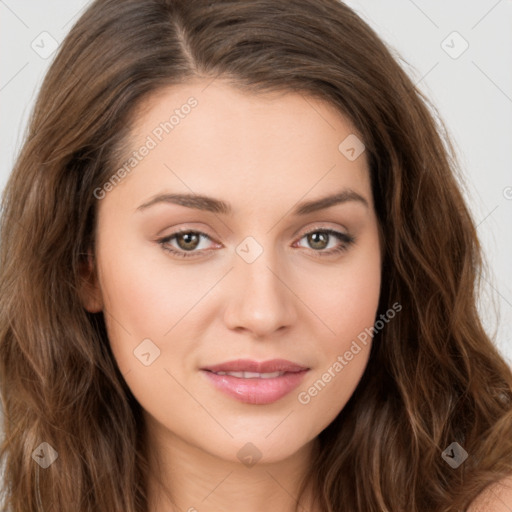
[214, 139]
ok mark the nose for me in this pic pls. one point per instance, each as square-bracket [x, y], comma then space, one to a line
[260, 300]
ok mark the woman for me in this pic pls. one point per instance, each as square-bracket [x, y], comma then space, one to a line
[237, 272]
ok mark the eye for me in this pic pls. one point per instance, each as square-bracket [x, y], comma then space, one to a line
[187, 242]
[319, 240]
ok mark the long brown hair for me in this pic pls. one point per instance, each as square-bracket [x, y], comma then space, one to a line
[433, 377]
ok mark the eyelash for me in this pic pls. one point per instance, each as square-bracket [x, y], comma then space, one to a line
[347, 241]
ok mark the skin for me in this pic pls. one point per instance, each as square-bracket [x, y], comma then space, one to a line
[495, 498]
[263, 154]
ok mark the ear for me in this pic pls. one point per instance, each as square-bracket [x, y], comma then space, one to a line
[90, 291]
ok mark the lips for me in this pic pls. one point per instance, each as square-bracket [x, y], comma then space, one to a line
[246, 365]
[256, 382]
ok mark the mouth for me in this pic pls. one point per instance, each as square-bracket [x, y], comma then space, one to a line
[256, 383]
[252, 375]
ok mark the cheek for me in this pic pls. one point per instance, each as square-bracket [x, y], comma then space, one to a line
[139, 303]
[348, 306]
[346, 297]
[344, 356]
[143, 301]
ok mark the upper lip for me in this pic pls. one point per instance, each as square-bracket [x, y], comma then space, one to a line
[247, 365]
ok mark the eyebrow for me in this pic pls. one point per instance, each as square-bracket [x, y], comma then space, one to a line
[210, 204]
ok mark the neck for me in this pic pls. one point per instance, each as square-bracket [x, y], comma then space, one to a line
[189, 479]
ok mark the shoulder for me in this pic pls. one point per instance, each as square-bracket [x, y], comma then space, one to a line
[496, 498]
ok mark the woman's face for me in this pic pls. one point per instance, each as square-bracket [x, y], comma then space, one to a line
[275, 275]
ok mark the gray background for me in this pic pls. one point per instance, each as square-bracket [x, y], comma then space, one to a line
[472, 90]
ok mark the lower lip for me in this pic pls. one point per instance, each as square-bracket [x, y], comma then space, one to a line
[257, 391]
